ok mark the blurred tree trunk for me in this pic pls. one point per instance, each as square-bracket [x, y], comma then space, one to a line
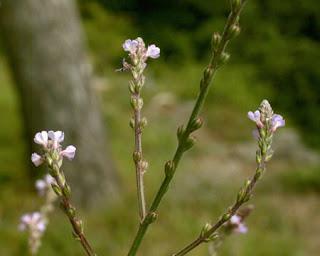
[46, 51]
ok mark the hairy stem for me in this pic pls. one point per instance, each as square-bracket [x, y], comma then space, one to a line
[64, 195]
[138, 162]
[184, 139]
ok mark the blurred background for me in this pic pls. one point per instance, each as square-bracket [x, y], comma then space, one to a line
[57, 71]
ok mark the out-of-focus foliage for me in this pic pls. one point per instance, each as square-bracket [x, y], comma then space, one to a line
[281, 40]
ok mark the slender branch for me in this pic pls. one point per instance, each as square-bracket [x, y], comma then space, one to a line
[139, 163]
[62, 189]
[243, 197]
[185, 141]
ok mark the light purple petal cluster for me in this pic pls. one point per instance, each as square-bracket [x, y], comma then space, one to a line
[51, 141]
[153, 52]
[255, 117]
[32, 221]
[277, 121]
[139, 52]
[237, 224]
[130, 46]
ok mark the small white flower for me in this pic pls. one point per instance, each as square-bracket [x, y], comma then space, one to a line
[255, 117]
[69, 152]
[276, 122]
[44, 184]
[235, 220]
[36, 159]
[56, 137]
[41, 138]
[153, 51]
[130, 46]
[241, 229]
[33, 221]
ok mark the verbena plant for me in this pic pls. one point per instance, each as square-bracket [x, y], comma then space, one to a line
[55, 187]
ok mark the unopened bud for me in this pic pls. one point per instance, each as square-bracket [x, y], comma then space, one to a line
[189, 143]
[136, 103]
[56, 189]
[132, 123]
[180, 132]
[131, 87]
[234, 31]
[196, 124]
[205, 229]
[224, 58]
[215, 41]
[144, 165]
[66, 190]
[137, 156]
[169, 168]
[143, 123]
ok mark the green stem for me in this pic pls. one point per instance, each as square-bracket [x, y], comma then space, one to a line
[214, 64]
[227, 215]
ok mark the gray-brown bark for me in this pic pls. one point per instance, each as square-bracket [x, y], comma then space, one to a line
[45, 47]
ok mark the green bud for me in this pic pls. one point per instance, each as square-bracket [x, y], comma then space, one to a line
[132, 87]
[56, 189]
[215, 41]
[207, 73]
[143, 123]
[169, 168]
[226, 216]
[234, 31]
[258, 157]
[211, 238]
[180, 132]
[137, 156]
[189, 143]
[151, 217]
[136, 103]
[72, 211]
[144, 165]
[66, 190]
[196, 124]
[205, 229]
[132, 123]
[224, 58]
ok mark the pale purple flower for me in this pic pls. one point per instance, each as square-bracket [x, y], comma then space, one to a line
[33, 221]
[276, 122]
[235, 220]
[130, 46]
[44, 184]
[153, 51]
[56, 137]
[241, 228]
[237, 224]
[36, 159]
[255, 117]
[41, 138]
[69, 152]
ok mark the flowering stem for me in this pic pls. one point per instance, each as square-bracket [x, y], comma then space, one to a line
[185, 141]
[138, 159]
[243, 197]
[63, 191]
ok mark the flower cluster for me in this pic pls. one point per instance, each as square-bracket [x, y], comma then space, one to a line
[237, 225]
[50, 142]
[32, 221]
[35, 224]
[265, 118]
